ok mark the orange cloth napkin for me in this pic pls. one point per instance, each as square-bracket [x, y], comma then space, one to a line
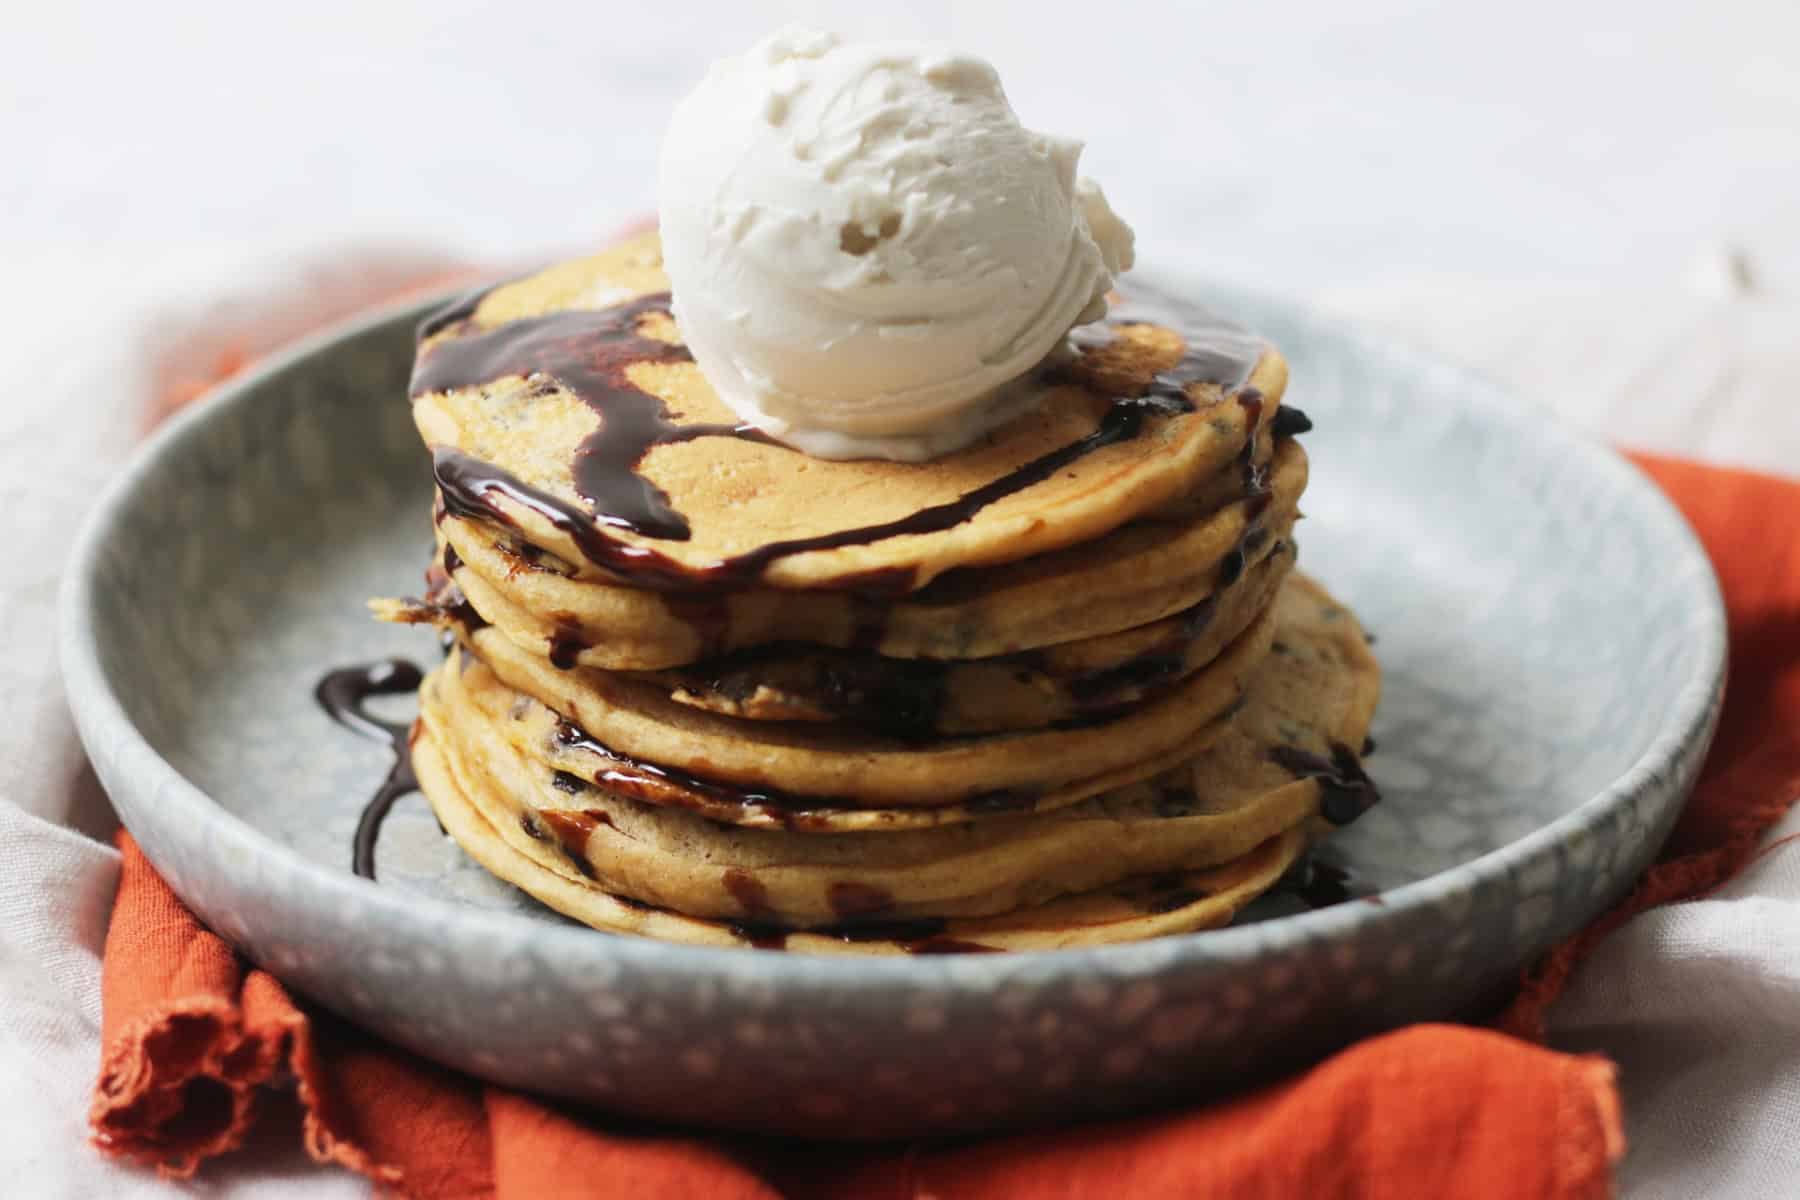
[193, 1039]
[191, 1036]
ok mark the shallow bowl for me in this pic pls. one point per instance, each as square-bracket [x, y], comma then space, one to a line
[1553, 641]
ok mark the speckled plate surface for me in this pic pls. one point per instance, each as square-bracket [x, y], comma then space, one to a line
[1554, 646]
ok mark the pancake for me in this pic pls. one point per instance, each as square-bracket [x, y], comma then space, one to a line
[1142, 573]
[563, 405]
[855, 769]
[543, 735]
[1319, 694]
[1155, 906]
[916, 698]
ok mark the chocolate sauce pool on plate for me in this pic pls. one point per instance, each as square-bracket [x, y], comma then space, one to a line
[344, 695]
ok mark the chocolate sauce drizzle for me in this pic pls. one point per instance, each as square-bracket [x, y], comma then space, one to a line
[1171, 892]
[670, 785]
[1345, 791]
[566, 643]
[569, 785]
[904, 698]
[898, 697]
[1319, 884]
[572, 830]
[858, 906]
[344, 694]
[1289, 422]
[851, 900]
[451, 601]
[949, 945]
[916, 935]
[748, 891]
[1215, 350]
[1149, 669]
[454, 313]
[588, 353]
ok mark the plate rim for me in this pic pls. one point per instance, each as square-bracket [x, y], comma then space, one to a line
[102, 720]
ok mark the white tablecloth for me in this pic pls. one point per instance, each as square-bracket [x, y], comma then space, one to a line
[1603, 214]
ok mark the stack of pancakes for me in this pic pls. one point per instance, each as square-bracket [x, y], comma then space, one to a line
[1060, 688]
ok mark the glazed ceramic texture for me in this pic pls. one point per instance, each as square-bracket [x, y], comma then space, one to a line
[1553, 642]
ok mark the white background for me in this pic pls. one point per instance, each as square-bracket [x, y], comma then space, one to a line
[1310, 144]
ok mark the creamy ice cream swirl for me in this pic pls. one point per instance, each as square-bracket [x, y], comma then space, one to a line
[866, 247]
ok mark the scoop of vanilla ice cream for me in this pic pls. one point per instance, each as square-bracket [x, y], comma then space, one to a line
[865, 246]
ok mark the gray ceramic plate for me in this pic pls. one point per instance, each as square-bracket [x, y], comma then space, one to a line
[1554, 645]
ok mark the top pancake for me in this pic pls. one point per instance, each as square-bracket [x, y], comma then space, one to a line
[738, 496]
